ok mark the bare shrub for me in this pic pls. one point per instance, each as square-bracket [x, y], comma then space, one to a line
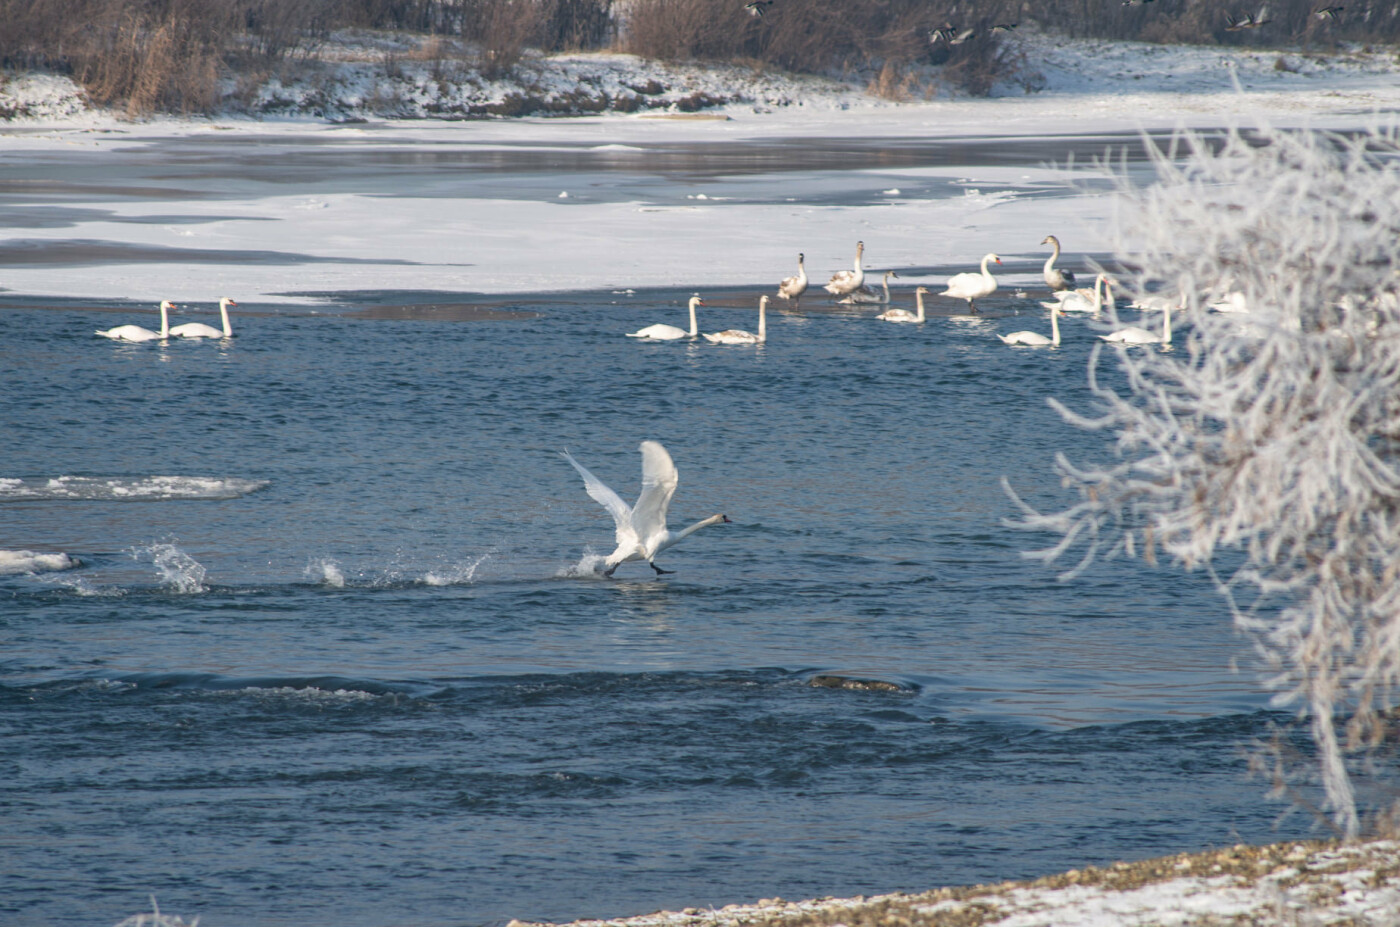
[886, 36]
[502, 28]
[1268, 445]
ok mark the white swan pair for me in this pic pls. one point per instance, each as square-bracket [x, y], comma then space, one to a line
[729, 336]
[135, 333]
[641, 528]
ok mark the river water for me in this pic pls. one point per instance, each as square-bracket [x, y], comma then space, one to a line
[334, 652]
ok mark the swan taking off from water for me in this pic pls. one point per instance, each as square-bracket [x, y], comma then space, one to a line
[200, 330]
[738, 335]
[660, 332]
[793, 287]
[845, 282]
[1135, 335]
[1036, 338]
[1054, 278]
[971, 286]
[904, 315]
[866, 295]
[137, 333]
[641, 529]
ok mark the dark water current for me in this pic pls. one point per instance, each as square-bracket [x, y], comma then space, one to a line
[338, 665]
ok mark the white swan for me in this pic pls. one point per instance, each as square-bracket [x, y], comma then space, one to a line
[793, 287]
[738, 335]
[137, 333]
[971, 286]
[641, 529]
[1135, 335]
[1036, 338]
[845, 282]
[660, 332]
[1054, 278]
[1083, 300]
[866, 295]
[1233, 301]
[200, 330]
[904, 315]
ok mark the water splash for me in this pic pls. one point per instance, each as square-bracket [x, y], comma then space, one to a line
[178, 570]
[29, 561]
[590, 564]
[460, 574]
[326, 572]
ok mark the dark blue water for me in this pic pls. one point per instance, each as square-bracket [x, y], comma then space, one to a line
[379, 689]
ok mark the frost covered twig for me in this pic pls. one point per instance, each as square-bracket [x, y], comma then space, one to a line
[1274, 432]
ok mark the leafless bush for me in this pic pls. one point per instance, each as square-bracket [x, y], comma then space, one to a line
[1270, 441]
[886, 36]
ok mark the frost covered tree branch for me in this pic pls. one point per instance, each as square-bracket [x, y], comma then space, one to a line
[1273, 432]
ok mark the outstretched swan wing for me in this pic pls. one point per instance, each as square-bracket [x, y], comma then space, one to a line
[620, 511]
[659, 480]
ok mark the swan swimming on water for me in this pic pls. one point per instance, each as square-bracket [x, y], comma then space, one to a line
[793, 287]
[904, 315]
[972, 286]
[200, 330]
[1036, 339]
[641, 528]
[1135, 335]
[661, 332]
[738, 335]
[137, 333]
[845, 282]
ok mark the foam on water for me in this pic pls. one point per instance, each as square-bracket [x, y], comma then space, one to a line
[128, 489]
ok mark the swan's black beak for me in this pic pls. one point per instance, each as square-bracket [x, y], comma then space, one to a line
[725, 519]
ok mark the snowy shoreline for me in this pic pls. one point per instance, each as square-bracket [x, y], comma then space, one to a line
[1280, 885]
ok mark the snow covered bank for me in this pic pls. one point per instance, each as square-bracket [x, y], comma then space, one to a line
[361, 75]
[1283, 885]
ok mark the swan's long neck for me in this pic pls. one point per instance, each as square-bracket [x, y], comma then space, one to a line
[694, 322]
[985, 260]
[223, 312]
[859, 251]
[691, 529]
[165, 320]
[1054, 255]
[762, 319]
[1054, 327]
[919, 300]
[886, 284]
[1098, 292]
